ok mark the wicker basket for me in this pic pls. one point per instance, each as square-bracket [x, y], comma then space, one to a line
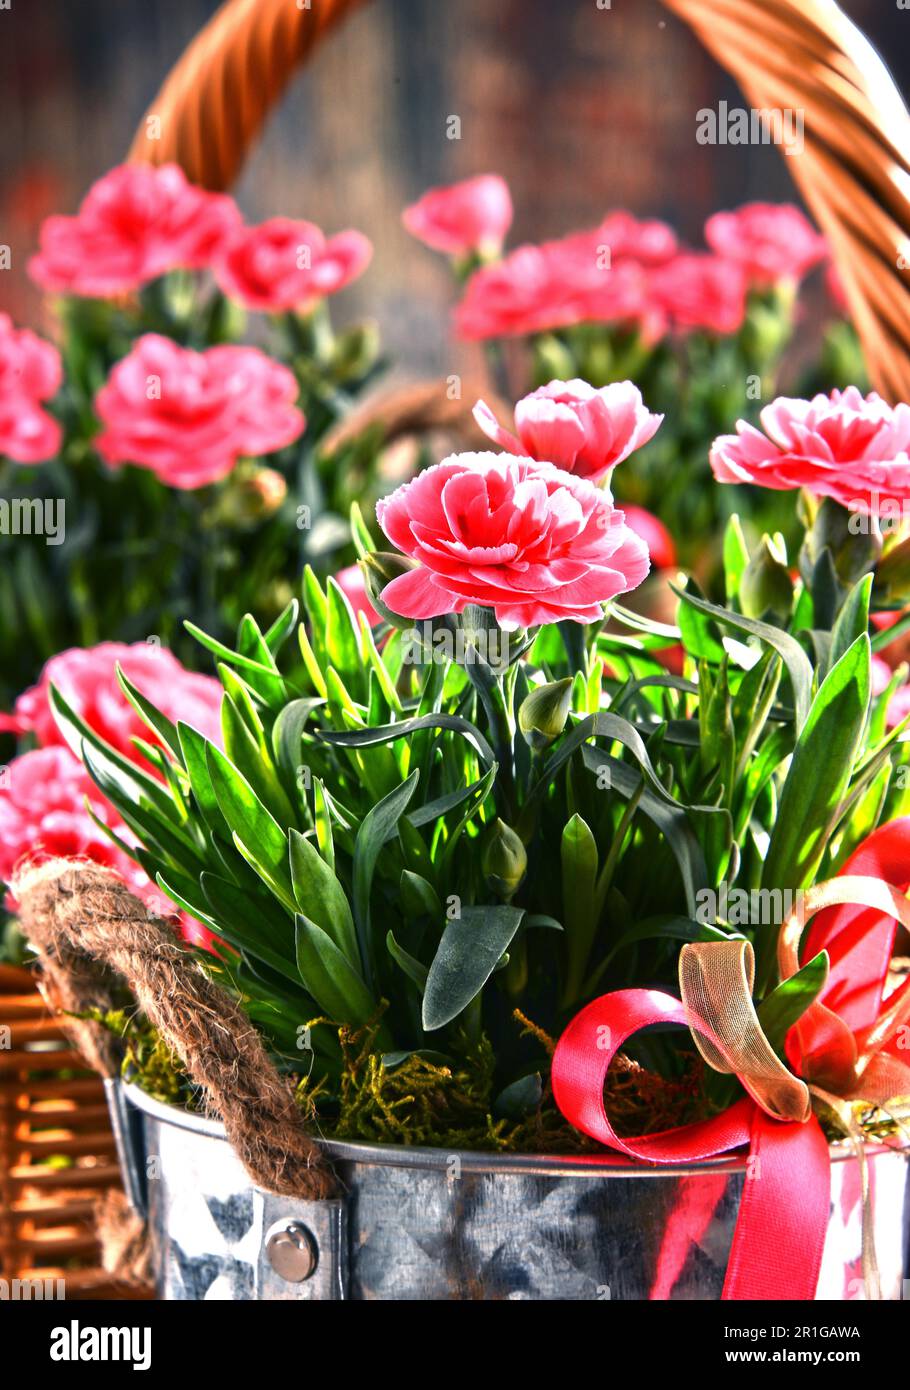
[805, 55]
[855, 176]
[57, 1151]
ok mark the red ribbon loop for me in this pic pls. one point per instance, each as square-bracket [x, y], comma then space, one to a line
[783, 1218]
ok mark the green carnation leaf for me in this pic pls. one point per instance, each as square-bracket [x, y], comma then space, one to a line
[817, 781]
[794, 658]
[251, 756]
[386, 733]
[282, 627]
[260, 675]
[254, 924]
[329, 977]
[581, 908]
[853, 619]
[342, 638]
[320, 896]
[256, 832]
[192, 747]
[671, 821]
[412, 967]
[471, 948]
[152, 717]
[379, 825]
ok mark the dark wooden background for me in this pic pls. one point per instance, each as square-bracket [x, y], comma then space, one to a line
[582, 109]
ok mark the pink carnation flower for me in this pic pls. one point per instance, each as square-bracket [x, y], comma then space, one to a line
[43, 815]
[134, 224]
[42, 812]
[700, 291]
[773, 242]
[188, 416]
[283, 264]
[600, 275]
[533, 543]
[845, 446]
[522, 294]
[87, 679]
[533, 291]
[30, 372]
[474, 215]
[28, 364]
[571, 424]
[649, 241]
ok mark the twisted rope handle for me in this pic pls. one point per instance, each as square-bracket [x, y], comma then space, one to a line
[85, 924]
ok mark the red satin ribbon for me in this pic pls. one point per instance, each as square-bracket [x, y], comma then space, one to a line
[783, 1218]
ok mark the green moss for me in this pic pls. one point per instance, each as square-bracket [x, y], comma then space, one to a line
[147, 1060]
[421, 1101]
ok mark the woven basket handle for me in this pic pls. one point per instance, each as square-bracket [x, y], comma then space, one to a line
[806, 56]
[801, 55]
[86, 925]
[217, 97]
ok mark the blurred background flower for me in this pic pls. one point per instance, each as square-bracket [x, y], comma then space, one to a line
[87, 679]
[470, 216]
[134, 224]
[209, 408]
[283, 264]
[30, 373]
[567, 119]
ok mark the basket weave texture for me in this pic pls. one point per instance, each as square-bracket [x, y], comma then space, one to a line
[57, 1154]
[804, 56]
[56, 1148]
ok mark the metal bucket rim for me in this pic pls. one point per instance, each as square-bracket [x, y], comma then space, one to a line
[597, 1165]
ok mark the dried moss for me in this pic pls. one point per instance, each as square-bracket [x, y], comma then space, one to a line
[422, 1102]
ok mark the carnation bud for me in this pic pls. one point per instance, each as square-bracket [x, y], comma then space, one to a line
[853, 551]
[355, 352]
[766, 586]
[768, 325]
[379, 568]
[382, 566]
[269, 487]
[543, 714]
[505, 860]
[249, 496]
[892, 577]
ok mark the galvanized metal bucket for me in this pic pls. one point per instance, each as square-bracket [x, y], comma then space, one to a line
[424, 1224]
